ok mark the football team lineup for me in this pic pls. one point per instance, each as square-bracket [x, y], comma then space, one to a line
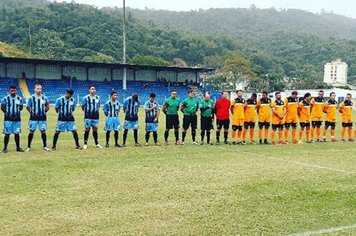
[284, 115]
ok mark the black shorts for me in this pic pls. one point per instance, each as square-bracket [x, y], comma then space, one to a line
[236, 127]
[206, 123]
[189, 121]
[172, 121]
[330, 124]
[249, 125]
[317, 124]
[280, 126]
[264, 124]
[222, 124]
[346, 124]
[293, 125]
[305, 124]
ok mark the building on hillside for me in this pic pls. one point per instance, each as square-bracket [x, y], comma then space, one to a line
[335, 72]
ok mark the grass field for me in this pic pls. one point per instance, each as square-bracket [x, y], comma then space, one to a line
[177, 190]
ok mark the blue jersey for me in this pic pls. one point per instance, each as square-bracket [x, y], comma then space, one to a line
[111, 109]
[13, 107]
[131, 109]
[37, 107]
[65, 108]
[151, 115]
[91, 106]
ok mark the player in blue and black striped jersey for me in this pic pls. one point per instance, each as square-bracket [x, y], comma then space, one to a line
[37, 106]
[12, 105]
[112, 123]
[131, 107]
[152, 109]
[65, 107]
[90, 106]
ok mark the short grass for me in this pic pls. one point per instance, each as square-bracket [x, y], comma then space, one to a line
[175, 190]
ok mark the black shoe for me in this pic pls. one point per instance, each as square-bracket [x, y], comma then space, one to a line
[53, 148]
[226, 142]
[233, 143]
[266, 142]
[79, 147]
[118, 145]
[261, 141]
[243, 143]
[20, 150]
[107, 145]
[217, 143]
[5, 150]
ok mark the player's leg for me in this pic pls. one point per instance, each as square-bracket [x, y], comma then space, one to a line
[193, 123]
[312, 131]
[326, 127]
[95, 133]
[42, 126]
[226, 131]
[6, 132]
[55, 140]
[135, 131]
[86, 132]
[260, 131]
[266, 125]
[349, 132]
[308, 130]
[70, 126]
[186, 124]
[239, 134]
[107, 138]
[301, 131]
[32, 125]
[252, 132]
[244, 132]
[332, 131]
[318, 131]
[16, 130]
[176, 128]
[286, 131]
[147, 136]
[273, 134]
[294, 132]
[280, 134]
[343, 131]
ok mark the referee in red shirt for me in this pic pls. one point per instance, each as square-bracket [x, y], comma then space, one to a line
[222, 112]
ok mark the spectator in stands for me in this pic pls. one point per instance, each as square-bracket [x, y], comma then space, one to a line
[37, 106]
[90, 106]
[131, 109]
[12, 105]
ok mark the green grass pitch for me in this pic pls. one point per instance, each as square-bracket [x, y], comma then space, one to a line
[176, 190]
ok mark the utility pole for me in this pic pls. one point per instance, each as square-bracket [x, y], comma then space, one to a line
[124, 45]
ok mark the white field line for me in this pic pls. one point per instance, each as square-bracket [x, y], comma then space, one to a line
[299, 163]
[326, 231]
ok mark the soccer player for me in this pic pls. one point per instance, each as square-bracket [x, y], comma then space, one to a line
[170, 108]
[112, 122]
[37, 106]
[345, 109]
[131, 108]
[207, 117]
[250, 118]
[317, 115]
[90, 106]
[189, 107]
[278, 118]
[222, 112]
[12, 105]
[238, 114]
[304, 114]
[264, 116]
[291, 104]
[65, 107]
[330, 109]
[152, 109]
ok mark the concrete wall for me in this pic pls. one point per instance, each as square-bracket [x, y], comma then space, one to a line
[2, 69]
[99, 74]
[48, 72]
[145, 75]
[75, 71]
[15, 70]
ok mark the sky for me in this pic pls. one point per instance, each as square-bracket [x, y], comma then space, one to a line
[343, 7]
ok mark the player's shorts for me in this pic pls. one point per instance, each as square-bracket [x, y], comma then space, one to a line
[66, 126]
[222, 124]
[34, 124]
[317, 123]
[264, 124]
[190, 121]
[112, 124]
[330, 124]
[206, 123]
[151, 127]
[238, 122]
[278, 125]
[172, 121]
[317, 118]
[131, 124]
[305, 124]
[249, 124]
[345, 125]
[12, 127]
[291, 122]
[91, 123]
[264, 119]
[346, 120]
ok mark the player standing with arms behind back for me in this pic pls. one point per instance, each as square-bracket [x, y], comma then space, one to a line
[250, 118]
[207, 116]
[189, 108]
[170, 108]
[330, 109]
[238, 117]
[346, 108]
[304, 111]
[152, 109]
[222, 112]
[131, 108]
[264, 116]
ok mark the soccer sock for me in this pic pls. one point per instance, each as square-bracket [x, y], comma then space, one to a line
[286, 132]
[343, 130]
[107, 137]
[332, 132]
[280, 135]
[116, 137]
[55, 139]
[208, 136]
[194, 133]
[266, 134]
[29, 139]
[273, 135]
[218, 136]
[312, 133]
[325, 132]
[6, 140]
[86, 136]
[44, 139]
[184, 133]
[308, 134]
[202, 134]
[252, 132]
[349, 131]
[294, 134]
[226, 134]
[17, 140]
[176, 134]
[76, 138]
[233, 135]
[300, 134]
[244, 133]
[155, 137]
[318, 132]
[136, 135]
[166, 134]
[239, 135]
[95, 136]
[147, 136]
[124, 136]
[260, 134]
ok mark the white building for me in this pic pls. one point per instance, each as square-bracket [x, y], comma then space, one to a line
[335, 72]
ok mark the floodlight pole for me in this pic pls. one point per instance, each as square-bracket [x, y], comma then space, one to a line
[124, 44]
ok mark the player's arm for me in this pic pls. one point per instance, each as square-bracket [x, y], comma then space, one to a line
[341, 107]
[258, 107]
[47, 105]
[84, 103]
[21, 104]
[28, 105]
[325, 107]
[182, 106]
[284, 112]
[106, 109]
[158, 112]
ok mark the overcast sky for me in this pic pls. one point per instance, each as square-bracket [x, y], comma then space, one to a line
[343, 7]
